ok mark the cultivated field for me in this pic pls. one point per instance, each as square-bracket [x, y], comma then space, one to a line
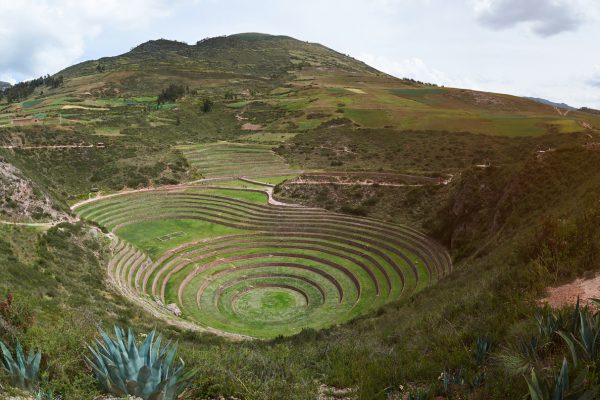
[232, 263]
[225, 160]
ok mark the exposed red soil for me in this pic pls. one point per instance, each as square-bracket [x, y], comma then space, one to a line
[584, 289]
[251, 127]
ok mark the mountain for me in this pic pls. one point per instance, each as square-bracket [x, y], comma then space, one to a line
[4, 85]
[308, 85]
[551, 103]
[259, 60]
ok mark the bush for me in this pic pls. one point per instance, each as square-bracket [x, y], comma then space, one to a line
[14, 318]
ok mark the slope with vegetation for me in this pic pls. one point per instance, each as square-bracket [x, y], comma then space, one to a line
[508, 185]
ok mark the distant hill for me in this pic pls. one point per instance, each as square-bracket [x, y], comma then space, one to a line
[551, 103]
[287, 85]
[590, 110]
[4, 85]
[259, 60]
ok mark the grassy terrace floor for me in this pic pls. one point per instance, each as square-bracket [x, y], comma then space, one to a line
[233, 263]
[221, 160]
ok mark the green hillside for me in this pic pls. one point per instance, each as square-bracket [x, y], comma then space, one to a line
[302, 225]
[300, 85]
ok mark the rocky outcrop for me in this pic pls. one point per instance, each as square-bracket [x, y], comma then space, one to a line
[21, 200]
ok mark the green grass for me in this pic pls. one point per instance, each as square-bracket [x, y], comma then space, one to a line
[145, 235]
[238, 105]
[368, 118]
[268, 137]
[108, 131]
[32, 103]
[203, 271]
[416, 92]
[308, 125]
[231, 160]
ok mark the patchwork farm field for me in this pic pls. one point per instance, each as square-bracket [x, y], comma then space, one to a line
[234, 264]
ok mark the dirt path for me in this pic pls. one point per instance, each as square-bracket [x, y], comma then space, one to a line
[108, 196]
[312, 179]
[274, 202]
[256, 182]
[32, 224]
[57, 146]
[357, 183]
[72, 107]
[562, 113]
[567, 294]
[169, 188]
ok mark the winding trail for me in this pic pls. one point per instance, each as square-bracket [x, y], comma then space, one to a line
[32, 224]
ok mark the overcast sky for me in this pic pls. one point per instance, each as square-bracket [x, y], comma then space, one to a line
[542, 48]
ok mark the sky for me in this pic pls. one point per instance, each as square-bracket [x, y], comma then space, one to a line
[539, 48]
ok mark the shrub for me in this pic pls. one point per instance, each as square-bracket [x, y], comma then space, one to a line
[13, 317]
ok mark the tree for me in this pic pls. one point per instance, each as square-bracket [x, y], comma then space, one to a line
[171, 94]
[207, 105]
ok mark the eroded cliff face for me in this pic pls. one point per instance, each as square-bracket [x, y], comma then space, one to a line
[485, 204]
[22, 201]
[476, 209]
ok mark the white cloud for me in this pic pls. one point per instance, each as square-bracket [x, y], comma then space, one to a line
[414, 68]
[594, 79]
[396, 6]
[544, 17]
[41, 36]
[576, 90]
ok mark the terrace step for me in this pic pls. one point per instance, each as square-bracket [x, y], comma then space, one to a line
[327, 267]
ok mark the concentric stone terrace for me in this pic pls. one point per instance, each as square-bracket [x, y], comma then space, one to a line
[224, 160]
[235, 264]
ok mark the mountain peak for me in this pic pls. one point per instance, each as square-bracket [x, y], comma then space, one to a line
[241, 38]
[160, 45]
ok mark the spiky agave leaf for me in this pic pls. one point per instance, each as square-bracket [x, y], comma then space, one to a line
[560, 388]
[148, 371]
[23, 371]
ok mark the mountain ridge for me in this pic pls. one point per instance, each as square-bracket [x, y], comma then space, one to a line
[552, 103]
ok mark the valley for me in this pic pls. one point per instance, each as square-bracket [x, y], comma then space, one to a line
[296, 220]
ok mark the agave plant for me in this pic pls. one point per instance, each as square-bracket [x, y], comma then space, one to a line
[449, 379]
[482, 348]
[585, 345]
[559, 389]
[23, 371]
[49, 395]
[520, 358]
[548, 324]
[419, 395]
[149, 372]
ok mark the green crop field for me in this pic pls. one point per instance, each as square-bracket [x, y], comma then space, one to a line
[233, 263]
